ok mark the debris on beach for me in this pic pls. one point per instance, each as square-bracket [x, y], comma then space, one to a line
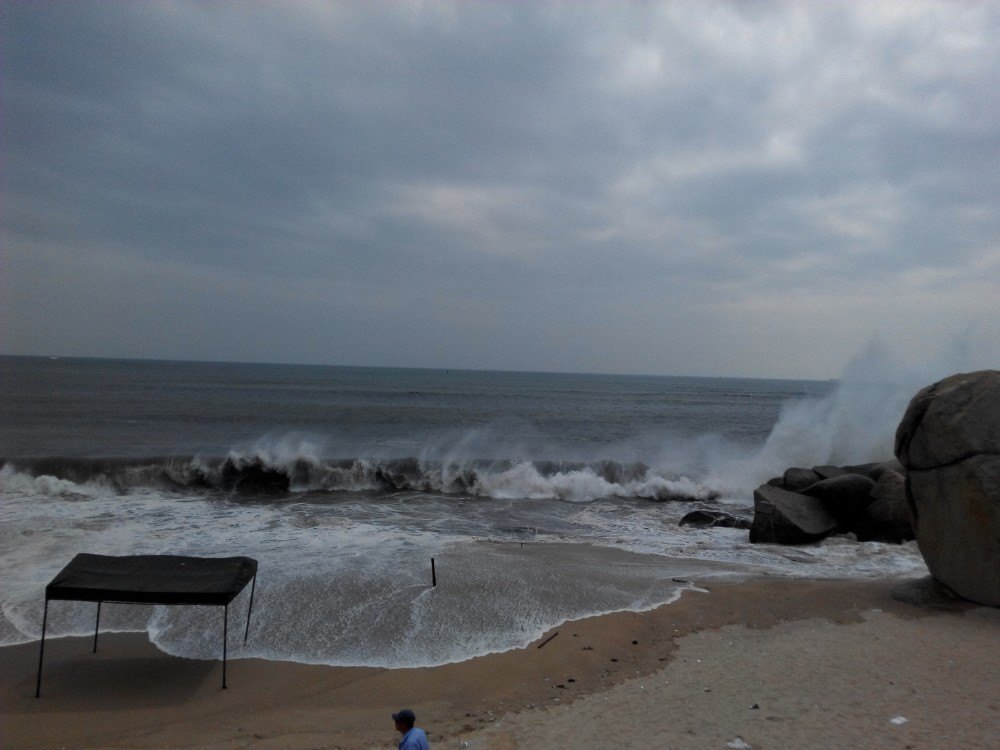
[548, 639]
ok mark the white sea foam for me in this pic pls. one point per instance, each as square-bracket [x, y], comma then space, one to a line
[347, 582]
[15, 482]
[582, 485]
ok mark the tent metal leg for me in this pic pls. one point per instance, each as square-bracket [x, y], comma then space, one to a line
[225, 637]
[41, 649]
[97, 625]
[253, 585]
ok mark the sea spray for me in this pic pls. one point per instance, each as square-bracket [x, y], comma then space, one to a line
[855, 423]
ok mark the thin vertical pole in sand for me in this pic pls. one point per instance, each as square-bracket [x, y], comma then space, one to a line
[434, 578]
[225, 637]
[97, 625]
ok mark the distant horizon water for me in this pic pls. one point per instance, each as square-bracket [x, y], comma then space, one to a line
[527, 371]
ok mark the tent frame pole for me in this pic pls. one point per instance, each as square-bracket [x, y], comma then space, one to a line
[41, 649]
[253, 585]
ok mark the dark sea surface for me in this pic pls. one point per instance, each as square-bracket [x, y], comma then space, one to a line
[73, 407]
[542, 496]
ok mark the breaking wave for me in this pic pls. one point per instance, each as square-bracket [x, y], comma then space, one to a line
[263, 472]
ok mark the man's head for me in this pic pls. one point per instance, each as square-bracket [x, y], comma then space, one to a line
[405, 719]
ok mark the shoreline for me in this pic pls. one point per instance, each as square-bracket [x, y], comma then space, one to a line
[131, 695]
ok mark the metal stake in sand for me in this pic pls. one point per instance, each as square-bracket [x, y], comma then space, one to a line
[434, 578]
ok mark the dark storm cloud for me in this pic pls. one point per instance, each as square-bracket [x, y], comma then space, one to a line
[649, 187]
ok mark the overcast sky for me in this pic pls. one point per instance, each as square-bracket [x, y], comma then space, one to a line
[746, 188]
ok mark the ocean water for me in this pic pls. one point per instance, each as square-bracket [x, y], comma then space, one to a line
[541, 497]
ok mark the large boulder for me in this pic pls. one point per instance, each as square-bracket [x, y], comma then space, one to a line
[864, 469]
[784, 517]
[797, 479]
[887, 517]
[949, 442]
[826, 472]
[875, 470]
[844, 496]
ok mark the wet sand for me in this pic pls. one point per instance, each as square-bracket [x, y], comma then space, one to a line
[826, 663]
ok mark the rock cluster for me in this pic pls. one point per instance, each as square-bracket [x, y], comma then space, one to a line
[949, 442]
[807, 505]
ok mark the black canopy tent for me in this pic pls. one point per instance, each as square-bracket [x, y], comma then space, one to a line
[152, 579]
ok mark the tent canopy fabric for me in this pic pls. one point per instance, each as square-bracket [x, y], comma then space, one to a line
[152, 579]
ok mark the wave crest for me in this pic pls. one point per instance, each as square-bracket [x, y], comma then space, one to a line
[270, 474]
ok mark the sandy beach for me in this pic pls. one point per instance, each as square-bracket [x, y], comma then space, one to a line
[770, 663]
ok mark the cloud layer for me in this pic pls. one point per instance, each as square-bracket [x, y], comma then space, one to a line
[689, 188]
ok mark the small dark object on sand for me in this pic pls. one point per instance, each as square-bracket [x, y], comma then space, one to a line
[548, 639]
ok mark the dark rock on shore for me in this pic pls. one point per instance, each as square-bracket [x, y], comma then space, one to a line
[828, 472]
[876, 469]
[785, 517]
[845, 497]
[797, 479]
[711, 518]
[869, 470]
[888, 517]
[865, 499]
[949, 443]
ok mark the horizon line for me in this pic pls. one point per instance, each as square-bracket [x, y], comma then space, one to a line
[403, 367]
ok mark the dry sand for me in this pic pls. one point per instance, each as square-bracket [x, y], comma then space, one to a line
[828, 664]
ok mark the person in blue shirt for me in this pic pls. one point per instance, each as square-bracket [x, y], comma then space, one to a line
[413, 737]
